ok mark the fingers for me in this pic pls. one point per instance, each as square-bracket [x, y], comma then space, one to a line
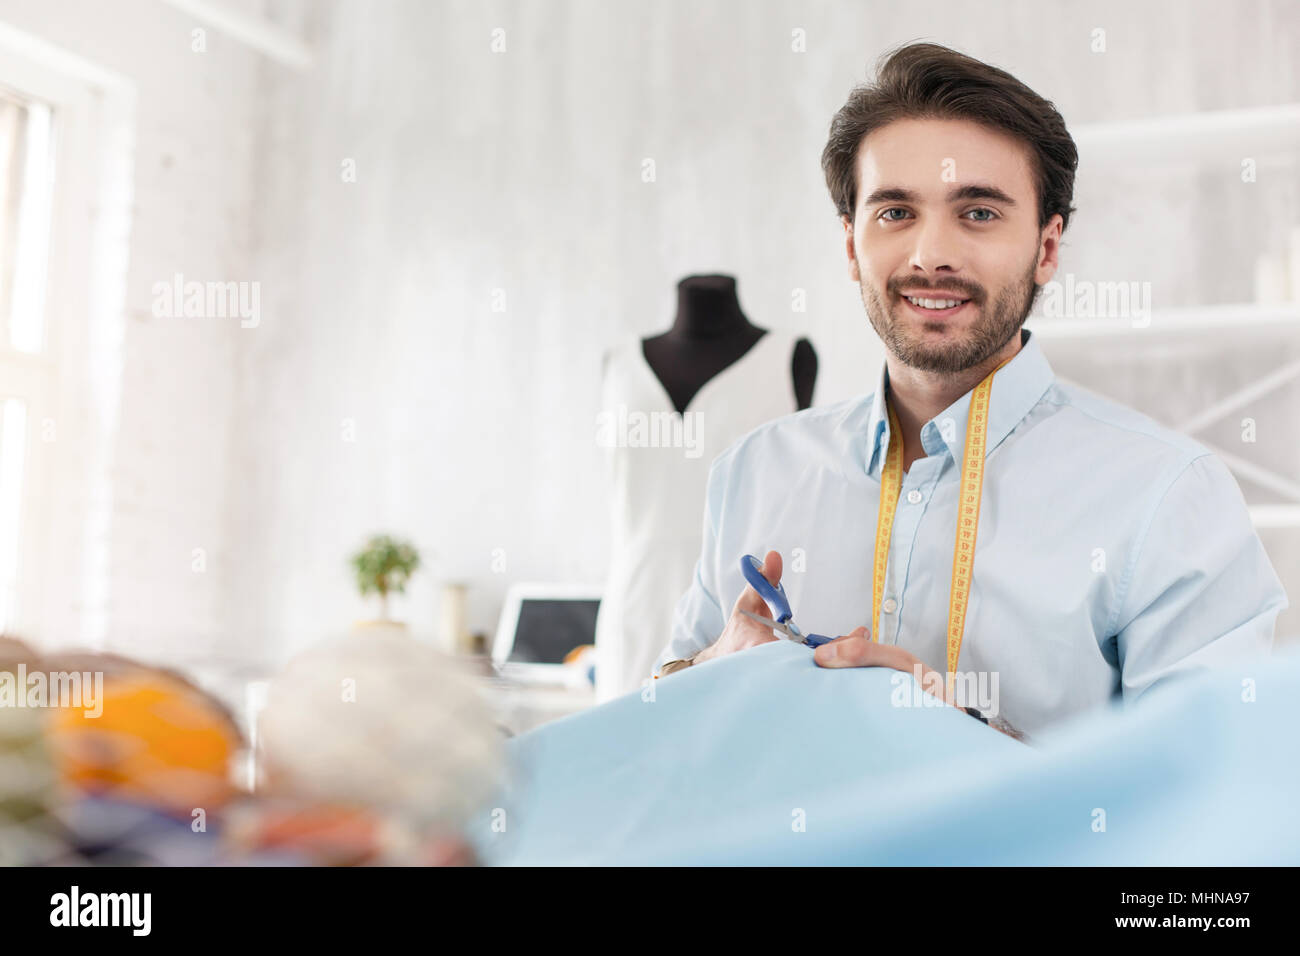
[750, 600]
[753, 632]
[859, 650]
[772, 567]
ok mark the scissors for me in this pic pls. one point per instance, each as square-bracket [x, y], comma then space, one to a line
[784, 624]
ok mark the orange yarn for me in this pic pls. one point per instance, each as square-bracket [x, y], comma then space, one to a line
[158, 741]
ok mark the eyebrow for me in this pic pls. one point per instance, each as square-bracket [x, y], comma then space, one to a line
[957, 194]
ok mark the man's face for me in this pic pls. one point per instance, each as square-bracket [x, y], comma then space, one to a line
[947, 209]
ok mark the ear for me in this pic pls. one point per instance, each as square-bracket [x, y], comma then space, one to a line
[855, 273]
[1049, 249]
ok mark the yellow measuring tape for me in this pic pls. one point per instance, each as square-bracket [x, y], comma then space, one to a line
[968, 516]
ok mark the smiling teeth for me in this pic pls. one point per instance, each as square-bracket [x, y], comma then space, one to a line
[934, 303]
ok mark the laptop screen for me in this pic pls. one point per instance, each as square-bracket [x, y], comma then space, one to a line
[548, 628]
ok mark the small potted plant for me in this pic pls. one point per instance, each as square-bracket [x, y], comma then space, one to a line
[384, 566]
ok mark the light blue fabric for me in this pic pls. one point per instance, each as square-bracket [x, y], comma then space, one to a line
[726, 759]
[1112, 552]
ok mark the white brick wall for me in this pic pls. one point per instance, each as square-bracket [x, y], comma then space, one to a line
[198, 117]
[521, 172]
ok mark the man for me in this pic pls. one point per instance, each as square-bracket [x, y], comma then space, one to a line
[1098, 553]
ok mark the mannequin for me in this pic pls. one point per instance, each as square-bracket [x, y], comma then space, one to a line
[717, 372]
[709, 333]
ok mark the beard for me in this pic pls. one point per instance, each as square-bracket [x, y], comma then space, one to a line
[969, 341]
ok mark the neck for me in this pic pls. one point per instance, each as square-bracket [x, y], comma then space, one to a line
[707, 307]
[918, 396]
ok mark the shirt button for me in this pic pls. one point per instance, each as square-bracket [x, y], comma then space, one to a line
[890, 606]
[914, 496]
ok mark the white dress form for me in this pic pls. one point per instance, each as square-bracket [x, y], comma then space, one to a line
[658, 493]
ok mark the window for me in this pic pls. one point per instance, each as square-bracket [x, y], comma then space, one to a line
[26, 194]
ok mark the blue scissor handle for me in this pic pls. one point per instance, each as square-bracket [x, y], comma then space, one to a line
[774, 595]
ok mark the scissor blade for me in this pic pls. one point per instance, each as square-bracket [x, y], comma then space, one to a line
[779, 628]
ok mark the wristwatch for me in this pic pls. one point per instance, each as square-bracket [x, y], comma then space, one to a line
[673, 666]
[976, 714]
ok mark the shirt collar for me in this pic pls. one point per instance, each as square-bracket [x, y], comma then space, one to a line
[1017, 387]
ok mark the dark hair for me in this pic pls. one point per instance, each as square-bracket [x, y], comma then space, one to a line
[929, 81]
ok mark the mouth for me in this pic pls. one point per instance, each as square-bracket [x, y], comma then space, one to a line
[935, 308]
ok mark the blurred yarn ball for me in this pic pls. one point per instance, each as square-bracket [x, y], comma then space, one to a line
[159, 741]
[102, 831]
[382, 721]
[303, 833]
[27, 779]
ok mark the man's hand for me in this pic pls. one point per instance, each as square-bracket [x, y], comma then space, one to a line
[859, 650]
[742, 632]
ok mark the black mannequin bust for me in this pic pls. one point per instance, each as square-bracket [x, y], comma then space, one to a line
[710, 333]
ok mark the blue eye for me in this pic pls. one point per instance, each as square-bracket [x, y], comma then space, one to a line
[983, 212]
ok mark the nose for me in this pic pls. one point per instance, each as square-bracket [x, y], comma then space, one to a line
[936, 250]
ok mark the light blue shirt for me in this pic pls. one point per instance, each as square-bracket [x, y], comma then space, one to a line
[1112, 552]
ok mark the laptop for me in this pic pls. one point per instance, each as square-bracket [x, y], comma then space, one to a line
[539, 625]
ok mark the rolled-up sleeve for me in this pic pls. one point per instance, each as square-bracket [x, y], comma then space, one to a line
[1201, 591]
[698, 619]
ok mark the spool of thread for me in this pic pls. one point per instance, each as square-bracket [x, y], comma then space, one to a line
[453, 631]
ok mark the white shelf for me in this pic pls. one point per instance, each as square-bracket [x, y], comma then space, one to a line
[1275, 516]
[1218, 135]
[1265, 134]
[1192, 319]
